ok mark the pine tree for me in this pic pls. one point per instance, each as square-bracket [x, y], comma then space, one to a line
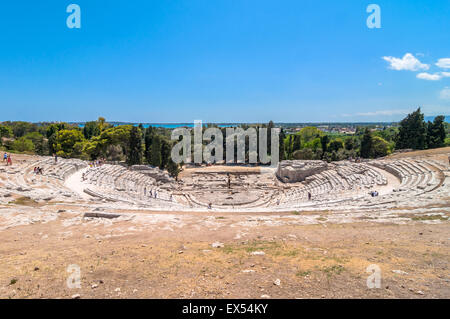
[412, 132]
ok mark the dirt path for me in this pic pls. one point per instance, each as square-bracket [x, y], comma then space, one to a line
[74, 182]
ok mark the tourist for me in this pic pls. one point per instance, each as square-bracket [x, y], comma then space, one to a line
[374, 193]
[56, 158]
[9, 161]
[5, 157]
[145, 191]
[309, 196]
[151, 193]
[209, 205]
[156, 194]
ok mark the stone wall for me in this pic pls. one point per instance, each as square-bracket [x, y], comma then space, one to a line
[154, 172]
[297, 171]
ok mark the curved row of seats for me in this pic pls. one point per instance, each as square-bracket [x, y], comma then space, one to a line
[414, 175]
[332, 184]
[21, 179]
[117, 183]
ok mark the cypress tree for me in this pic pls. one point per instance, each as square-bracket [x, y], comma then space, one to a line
[436, 132]
[366, 144]
[412, 132]
[324, 142]
[155, 159]
[135, 147]
[148, 140]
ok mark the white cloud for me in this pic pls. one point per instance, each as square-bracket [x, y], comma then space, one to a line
[445, 93]
[433, 77]
[444, 63]
[429, 77]
[381, 112]
[408, 62]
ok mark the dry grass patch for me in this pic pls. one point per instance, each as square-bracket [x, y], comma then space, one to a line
[25, 201]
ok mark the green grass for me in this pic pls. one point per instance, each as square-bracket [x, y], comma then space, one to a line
[255, 245]
[333, 270]
[24, 201]
[430, 217]
[303, 273]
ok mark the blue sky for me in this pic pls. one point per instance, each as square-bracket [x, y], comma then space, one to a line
[223, 61]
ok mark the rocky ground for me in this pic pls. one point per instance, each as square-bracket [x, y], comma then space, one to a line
[186, 255]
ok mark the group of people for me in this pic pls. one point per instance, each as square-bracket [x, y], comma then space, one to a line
[38, 170]
[97, 163]
[355, 160]
[151, 193]
[374, 193]
[7, 158]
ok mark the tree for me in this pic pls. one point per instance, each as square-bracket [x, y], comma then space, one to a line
[310, 133]
[304, 154]
[52, 131]
[313, 144]
[380, 147]
[69, 143]
[324, 142]
[297, 145]
[270, 126]
[148, 140]
[91, 129]
[5, 131]
[134, 155]
[21, 128]
[173, 169]
[350, 144]
[436, 132]
[23, 145]
[40, 144]
[156, 151]
[366, 144]
[336, 145]
[412, 132]
[165, 152]
[282, 137]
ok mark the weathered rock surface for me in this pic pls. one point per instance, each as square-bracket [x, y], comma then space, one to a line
[298, 171]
